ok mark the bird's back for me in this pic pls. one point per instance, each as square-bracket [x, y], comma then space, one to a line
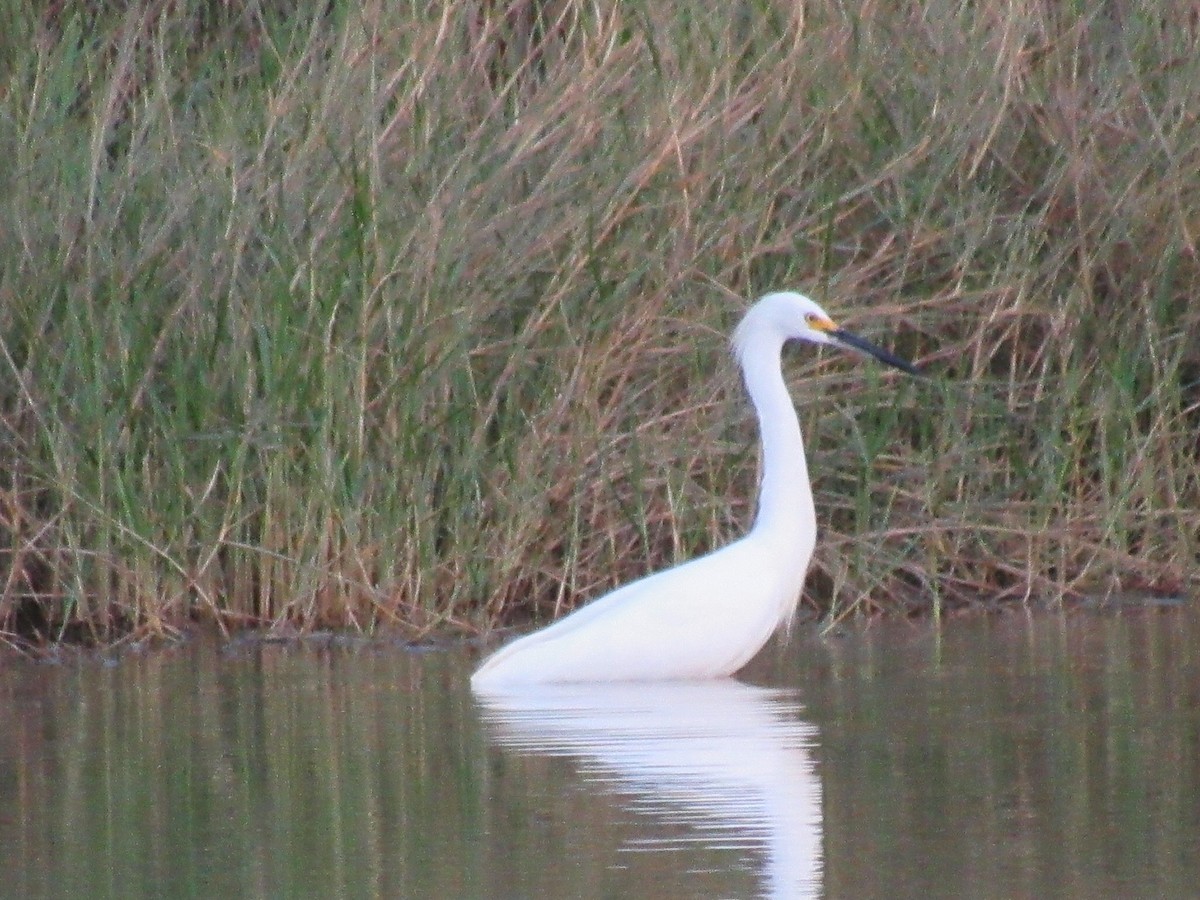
[705, 618]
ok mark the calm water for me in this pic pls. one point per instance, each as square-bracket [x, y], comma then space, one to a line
[1009, 756]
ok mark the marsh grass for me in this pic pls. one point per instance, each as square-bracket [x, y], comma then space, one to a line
[331, 314]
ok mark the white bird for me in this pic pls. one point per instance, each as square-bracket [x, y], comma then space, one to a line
[707, 617]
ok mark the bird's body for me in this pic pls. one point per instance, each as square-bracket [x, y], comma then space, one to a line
[707, 617]
[635, 633]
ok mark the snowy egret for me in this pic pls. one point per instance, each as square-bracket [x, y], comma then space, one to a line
[707, 617]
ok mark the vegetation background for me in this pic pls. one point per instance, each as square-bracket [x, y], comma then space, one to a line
[415, 315]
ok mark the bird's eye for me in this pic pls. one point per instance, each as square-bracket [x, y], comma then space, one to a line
[810, 318]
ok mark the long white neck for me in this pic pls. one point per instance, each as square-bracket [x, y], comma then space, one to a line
[785, 502]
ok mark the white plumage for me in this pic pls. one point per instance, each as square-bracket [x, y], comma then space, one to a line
[707, 617]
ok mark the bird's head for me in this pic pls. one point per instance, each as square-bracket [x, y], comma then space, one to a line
[786, 315]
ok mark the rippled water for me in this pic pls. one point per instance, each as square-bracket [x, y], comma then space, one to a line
[1009, 756]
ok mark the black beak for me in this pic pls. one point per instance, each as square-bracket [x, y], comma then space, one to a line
[849, 339]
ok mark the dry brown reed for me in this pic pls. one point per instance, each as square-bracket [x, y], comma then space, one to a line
[359, 315]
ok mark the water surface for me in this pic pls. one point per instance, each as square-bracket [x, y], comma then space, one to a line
[1006, 756]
